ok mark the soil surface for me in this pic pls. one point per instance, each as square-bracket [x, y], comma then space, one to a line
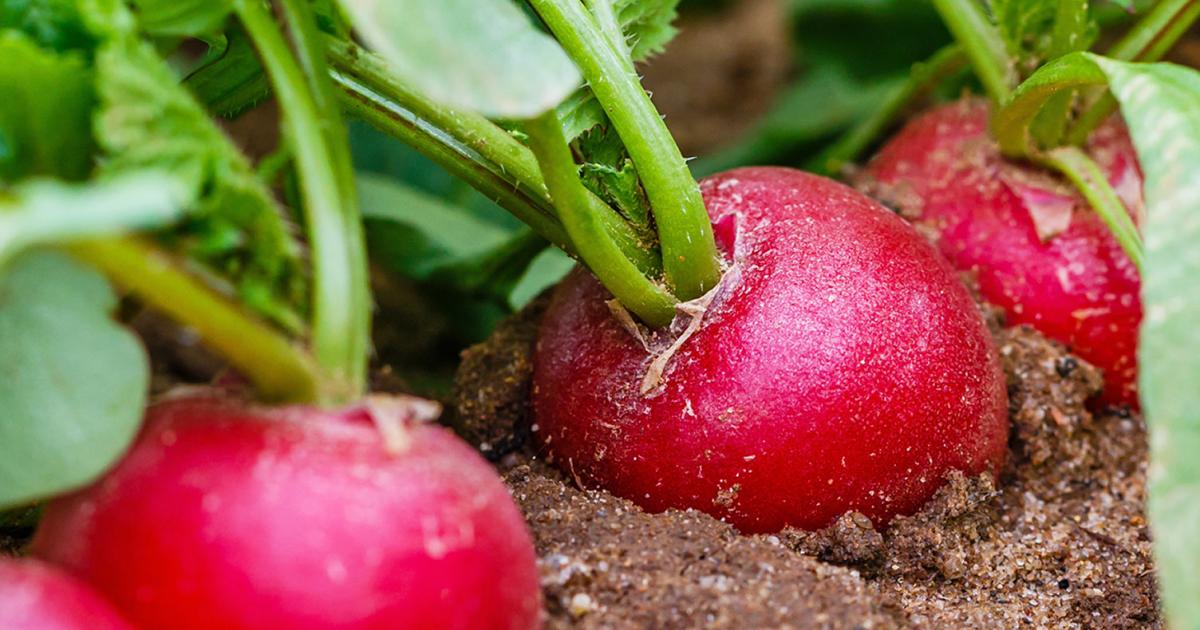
[1060, 542]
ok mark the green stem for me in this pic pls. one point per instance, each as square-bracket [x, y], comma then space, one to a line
[279, 369]
[602, 11]
[472, 147]
[923, 78]
[635, 291]
[1083, 172]
[341, 309]
[458, 159]
[982, 44]
[689, 251]
[1149, 40]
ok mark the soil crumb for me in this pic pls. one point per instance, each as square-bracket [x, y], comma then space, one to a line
[1060, 541]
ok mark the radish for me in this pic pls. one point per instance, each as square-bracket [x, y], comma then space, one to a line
[1038, 250]
[840, 365]
[227, 516]
[37, 596]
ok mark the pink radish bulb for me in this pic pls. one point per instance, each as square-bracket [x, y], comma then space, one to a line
[37, 596]
[233, 517]
[841, 365]
[1037, 248]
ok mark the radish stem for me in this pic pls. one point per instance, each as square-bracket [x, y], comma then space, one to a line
[1090, 180]
[635, 291]
[469, 145]
[982, 44]
[341, 296]
[280, 370]
[685, 234]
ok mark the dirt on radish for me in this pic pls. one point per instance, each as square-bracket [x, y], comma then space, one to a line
[1060, 541]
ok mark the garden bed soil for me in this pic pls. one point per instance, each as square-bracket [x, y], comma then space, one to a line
[1060, 542]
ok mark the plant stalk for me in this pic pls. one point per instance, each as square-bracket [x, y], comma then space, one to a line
[647, 300]
[690, 259]
[1149, 40]
[279, 369]
[982, 44]
[341, 295]
[472, 147]
[1087, 177]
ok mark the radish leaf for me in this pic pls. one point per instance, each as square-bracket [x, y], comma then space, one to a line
[482, 55]
[647, 24]
[147, 120]
[74, 382]
[182, 18]
[45, 113]
[53, 24]
[48, 211]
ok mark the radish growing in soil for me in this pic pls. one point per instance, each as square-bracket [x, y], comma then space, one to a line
[224, 513]
[839, 366]
[38, 596]
[224, 516]
[1035, 246]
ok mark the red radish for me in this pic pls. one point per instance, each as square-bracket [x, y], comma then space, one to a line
[841, 365]
[224, 516]
[37, 596]
[1039, 251]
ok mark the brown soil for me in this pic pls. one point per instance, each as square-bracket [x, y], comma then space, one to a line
[1059, 542]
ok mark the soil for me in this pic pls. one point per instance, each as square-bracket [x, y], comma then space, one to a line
[1059, 542]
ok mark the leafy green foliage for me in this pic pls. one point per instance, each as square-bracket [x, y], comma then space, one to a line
[146, 120]
[53, 24]
[45, 211]
[45, 110]
[75, 382]
[1039, 30]
[417, 233]
[609, 172]
[1161, 104]
[480, 55]
[181, 18]
[232, 81]
[648, 24]
[427, 239]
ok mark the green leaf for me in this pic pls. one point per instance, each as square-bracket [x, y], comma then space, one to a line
[1161, 104]
[46, 103]
[609, 172]
[53, 24]
[647, 24]
[544, 271]
[481, 55]
[447, 246]
[74, 382]
[232, 82]
[39, 212]
[182, 18]
[415, 233]
[147, 120]
[1038, 30]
